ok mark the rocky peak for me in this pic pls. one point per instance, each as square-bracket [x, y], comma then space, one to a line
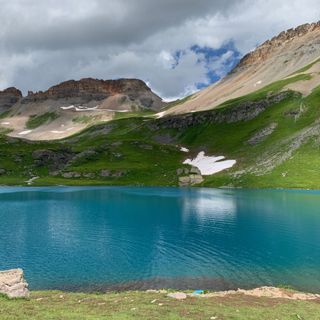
[94, 88]
[9, 97]
[88, 90]
[262, 52]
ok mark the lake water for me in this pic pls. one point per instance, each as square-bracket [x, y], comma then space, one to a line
[137, 238]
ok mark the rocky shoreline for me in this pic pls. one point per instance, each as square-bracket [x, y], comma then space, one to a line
[14, 285]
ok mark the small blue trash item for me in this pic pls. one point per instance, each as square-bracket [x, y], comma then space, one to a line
[196, 292]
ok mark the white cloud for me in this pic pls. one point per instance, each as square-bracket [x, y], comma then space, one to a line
[45, 42]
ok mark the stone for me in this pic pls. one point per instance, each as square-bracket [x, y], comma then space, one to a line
[71, 175]
[13, 284]
[119, 173]
[2, 171]
[177, 295]
[262, 134]
[105, 173]
[116, 144]
[180, 171]
[89, 175]
[190, 180]
[54, 159]
[196, 178]
[184, 181]
[85, 155]
[195, 170]
[146, 146]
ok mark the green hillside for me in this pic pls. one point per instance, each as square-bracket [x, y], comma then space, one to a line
[273, 134]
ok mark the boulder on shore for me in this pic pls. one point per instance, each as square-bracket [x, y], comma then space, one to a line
[13, 284]
[177, 295]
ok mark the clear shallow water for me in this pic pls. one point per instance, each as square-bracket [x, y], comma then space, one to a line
[100, 238]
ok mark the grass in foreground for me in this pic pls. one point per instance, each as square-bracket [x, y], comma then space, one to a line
[143, 305]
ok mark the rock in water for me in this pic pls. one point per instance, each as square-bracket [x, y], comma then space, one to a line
[13, 284]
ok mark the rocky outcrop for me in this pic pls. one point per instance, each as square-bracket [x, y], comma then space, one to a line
[55, 160]
[13, 284]
[112, 173]
[244, 111]
[267, 292]
[274, 60]
[132, 91]
[188, 177]
[8, 98]
[262, 134]
[190, 180]
[263, 52]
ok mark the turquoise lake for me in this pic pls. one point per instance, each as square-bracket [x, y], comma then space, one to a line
[100, 238]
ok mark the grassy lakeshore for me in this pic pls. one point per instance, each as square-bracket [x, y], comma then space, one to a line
[144, 305]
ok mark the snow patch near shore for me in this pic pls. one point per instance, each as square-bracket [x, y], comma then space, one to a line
[209, 165]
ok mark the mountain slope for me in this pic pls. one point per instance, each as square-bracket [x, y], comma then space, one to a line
[271, 137]
[274, 60]
[70, 106]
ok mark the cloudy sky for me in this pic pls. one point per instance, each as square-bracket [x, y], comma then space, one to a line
[176, 46]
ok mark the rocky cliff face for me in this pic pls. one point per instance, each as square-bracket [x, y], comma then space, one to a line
[8, 98]
[239, 112]
[263, 52]
[88, 89]
[274, 60]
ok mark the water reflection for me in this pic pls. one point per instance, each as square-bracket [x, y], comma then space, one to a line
[206, 204]
[120, 237]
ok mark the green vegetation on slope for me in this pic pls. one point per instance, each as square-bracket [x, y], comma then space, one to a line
[307, 67]
[149, 306]
[264, 91]
[36, 121]
[4, 114]
[134, 114]
[85, 119]
[279, 146]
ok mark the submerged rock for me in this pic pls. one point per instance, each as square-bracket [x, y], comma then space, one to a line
[13, 284]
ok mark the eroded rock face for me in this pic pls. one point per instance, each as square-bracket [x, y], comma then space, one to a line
[13, 284]
[190, 180]
[132, 91]
[262, 134]
[55, 160]
[8, 98]
[244, 111]
[266, 49]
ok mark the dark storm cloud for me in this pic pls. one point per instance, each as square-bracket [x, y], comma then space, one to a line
[32, 25]
[49, 41]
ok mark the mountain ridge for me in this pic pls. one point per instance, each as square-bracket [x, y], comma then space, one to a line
[268, 137]
[272, 61]
[70, 106]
